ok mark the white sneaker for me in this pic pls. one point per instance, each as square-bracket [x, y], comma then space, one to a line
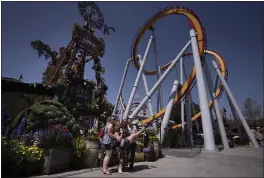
[120, 170]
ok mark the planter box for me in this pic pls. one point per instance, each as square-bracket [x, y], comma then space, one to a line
[91, 158]
[32, 168]
[56, 160]
[12, 170]
[154, 153]
[78, 162]
[156, 149]
[139, 157]
[150, 156]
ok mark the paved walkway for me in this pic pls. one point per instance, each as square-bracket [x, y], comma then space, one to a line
[231, 163]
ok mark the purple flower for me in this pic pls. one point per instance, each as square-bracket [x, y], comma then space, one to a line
[9, 118]
[146, 150]
[3, 109]
[42, 134]
[14, 133]
[67, 134]
[91, 123]
[21, 126]
[48, 113]
[28, 137]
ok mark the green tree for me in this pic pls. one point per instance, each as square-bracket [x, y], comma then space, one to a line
[251, 109]
[106, 109]
[176, 112]
[45, 50]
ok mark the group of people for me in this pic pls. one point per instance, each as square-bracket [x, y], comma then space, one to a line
[120, 135]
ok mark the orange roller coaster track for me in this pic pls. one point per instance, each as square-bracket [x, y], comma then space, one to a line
[201, 38]
[182, 92]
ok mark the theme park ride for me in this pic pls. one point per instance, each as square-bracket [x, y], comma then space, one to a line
[180, 92]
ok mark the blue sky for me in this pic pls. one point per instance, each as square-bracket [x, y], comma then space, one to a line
[234, 29]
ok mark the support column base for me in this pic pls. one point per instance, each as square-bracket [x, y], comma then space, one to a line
[216, 151]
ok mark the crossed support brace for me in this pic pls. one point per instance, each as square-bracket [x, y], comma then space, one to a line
[236, 107]
[121, 87]
[140, 71]
[209, 144]
[205, 113]
[185, 106]
[167, 114]
[208, 131]
[216, 106]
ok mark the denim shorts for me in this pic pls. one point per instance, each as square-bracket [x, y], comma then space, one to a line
[107, 146]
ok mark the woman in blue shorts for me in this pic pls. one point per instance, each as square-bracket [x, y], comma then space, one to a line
[108, 143]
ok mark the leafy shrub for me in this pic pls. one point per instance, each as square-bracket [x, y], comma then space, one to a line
[150, 131]
[41, 115]
[93, 135]
[79, 146]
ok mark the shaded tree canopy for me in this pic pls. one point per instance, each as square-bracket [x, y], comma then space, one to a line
[251, 109]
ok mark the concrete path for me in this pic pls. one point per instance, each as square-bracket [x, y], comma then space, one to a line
[193, 163]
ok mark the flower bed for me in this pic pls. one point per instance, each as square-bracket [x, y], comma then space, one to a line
[46, 129]
[46, 139]
[19, 158]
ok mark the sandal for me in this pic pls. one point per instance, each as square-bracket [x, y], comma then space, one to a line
[107, 172]
[103, 170]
